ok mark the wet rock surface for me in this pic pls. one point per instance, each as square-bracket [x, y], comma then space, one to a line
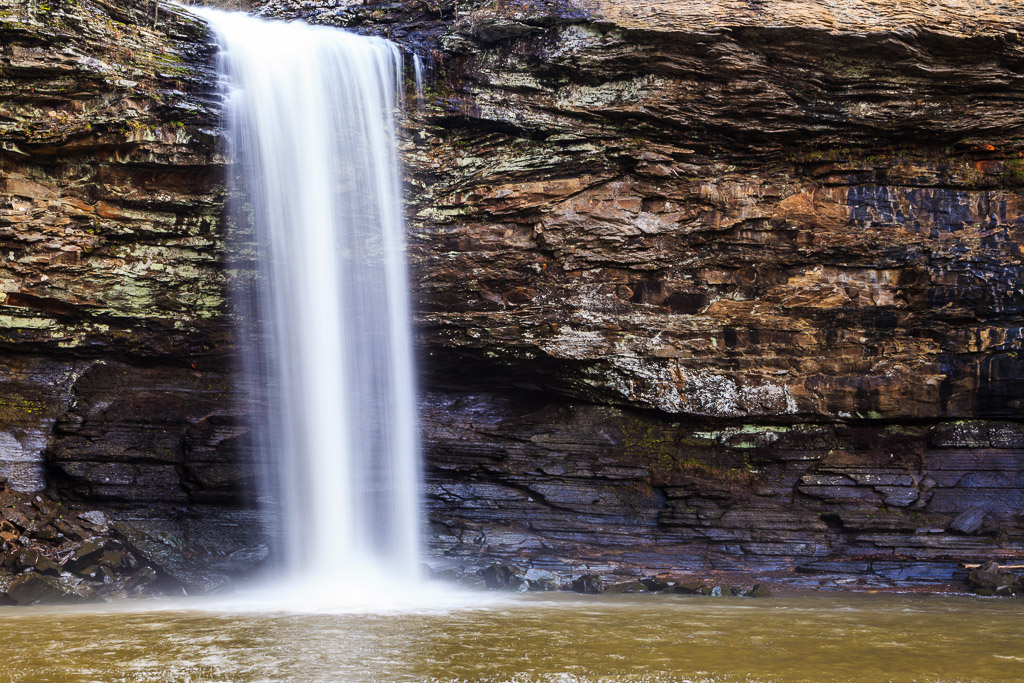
[115, 340]
[775, 240]
[112, 182]
[702, 287]
[111, 191]
[664, 220]
[55, 552]
[991, 579]
[510, 578]
[596, 489]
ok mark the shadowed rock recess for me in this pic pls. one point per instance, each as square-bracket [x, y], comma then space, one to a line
[709, 286]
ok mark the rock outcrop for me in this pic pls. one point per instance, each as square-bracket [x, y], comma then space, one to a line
[600, 489]
[702, 286]
[720, 284]
[115, 341]
[56, 552]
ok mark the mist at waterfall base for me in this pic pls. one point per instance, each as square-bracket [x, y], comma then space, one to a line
[325, 322]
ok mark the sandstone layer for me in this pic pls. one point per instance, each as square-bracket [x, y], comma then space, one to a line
[701, 285]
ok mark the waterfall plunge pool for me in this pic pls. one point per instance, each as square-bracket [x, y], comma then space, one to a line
[545, 637]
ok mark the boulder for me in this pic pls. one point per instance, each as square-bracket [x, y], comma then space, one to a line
[968, 522]
[989, 579]
[97, 520]
[245, 560]
[171, 560]
[656, 585]
[87, 555]
[589, 584]
[542, 580]
[627, 587]
[5, 583]
[504, 577]
[33, 560]
[140, 579]
[34, 588]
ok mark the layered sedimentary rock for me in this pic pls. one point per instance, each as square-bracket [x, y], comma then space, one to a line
[790, 231]
[701, 286]
[114, 367]
[604, 490]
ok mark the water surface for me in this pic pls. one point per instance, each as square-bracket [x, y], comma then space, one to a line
[530, 638]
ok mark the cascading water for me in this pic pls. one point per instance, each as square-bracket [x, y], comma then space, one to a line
[417, 70]
[310, 122]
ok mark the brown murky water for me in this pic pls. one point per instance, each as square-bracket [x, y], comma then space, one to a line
[561, 639]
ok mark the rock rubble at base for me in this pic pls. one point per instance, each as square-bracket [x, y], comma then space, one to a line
[509, 578]
[990, 580]
[51, 552]
[987, 579]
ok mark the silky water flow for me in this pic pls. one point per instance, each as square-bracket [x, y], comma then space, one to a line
[310, 122]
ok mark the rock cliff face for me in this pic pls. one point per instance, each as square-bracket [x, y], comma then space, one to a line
[701, 286]
[730, 285]
[115, 343]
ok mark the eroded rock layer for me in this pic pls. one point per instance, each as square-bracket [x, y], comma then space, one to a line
[605, 490]
[114, 380]
[783, 240]
[701, 286]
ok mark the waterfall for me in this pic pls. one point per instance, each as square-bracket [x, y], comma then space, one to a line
[325, 315]
[417, 69]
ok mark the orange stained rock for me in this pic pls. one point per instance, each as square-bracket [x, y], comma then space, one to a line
[816, 203]
[21, 187]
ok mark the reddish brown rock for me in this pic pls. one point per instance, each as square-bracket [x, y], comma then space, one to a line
[701, 285]
[783, 228]
[746, 219]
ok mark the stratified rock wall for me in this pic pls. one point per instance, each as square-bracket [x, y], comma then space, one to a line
[781, 243]
[773, 221]
[112, 180]
[113, 291]
[599, 489]
[710, 285]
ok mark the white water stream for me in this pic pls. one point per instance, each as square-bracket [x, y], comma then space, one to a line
[310, 123]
